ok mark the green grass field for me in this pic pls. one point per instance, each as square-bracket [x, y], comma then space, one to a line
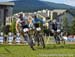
[51, 50]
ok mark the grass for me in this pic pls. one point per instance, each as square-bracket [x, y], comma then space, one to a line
[51, 50]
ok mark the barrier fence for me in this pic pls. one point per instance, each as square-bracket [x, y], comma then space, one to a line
[18, 39]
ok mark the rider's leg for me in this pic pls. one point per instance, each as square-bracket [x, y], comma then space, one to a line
[58, 39]
[37, 39]
[30, 42]
[55, 37]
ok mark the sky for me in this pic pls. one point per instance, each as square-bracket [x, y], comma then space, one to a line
[68, 2]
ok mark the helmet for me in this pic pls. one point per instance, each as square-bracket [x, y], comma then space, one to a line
[20, 15]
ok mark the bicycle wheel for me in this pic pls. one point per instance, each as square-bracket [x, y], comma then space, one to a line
[42, 41]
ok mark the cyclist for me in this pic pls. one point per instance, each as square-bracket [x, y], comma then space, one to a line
[55, 31]
[38, 23]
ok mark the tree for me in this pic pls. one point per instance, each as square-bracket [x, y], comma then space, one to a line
[65, 24]
[73, 27]
[13, 24]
